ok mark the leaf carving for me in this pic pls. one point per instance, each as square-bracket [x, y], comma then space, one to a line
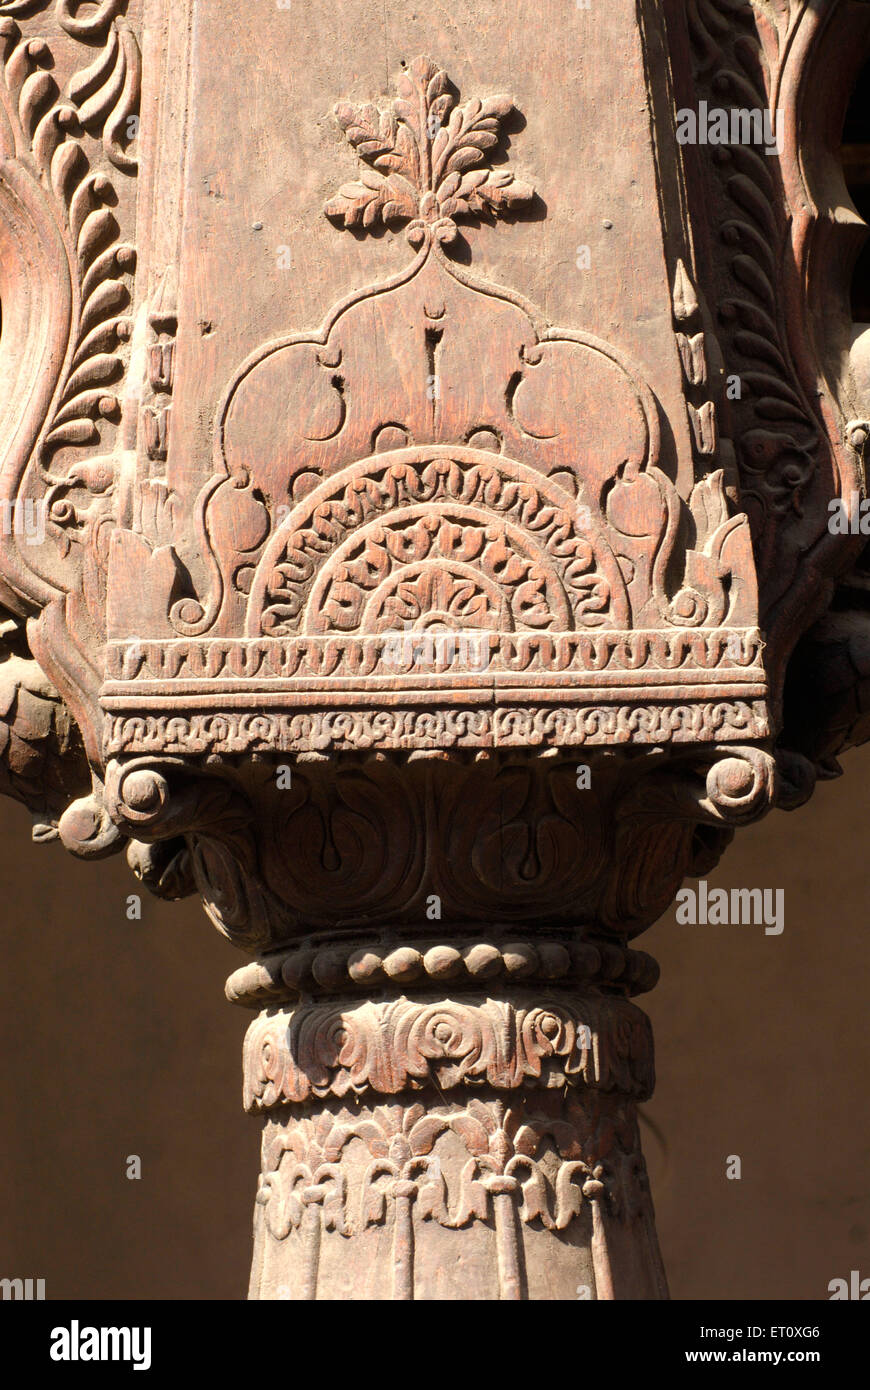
[363, 203]
[425, 156]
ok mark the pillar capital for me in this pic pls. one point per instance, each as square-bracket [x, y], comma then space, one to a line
[417, 492]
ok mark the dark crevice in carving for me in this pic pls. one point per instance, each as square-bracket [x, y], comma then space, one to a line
[855, 154]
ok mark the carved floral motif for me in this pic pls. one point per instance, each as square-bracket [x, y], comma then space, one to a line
[426, 148]
[546, 505]
[421, 500]
[321, 1050]
[526, 1164]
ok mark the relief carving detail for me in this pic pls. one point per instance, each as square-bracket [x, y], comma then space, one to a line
[433, 647]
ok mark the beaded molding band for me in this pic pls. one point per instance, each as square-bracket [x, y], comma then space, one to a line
[326, 968]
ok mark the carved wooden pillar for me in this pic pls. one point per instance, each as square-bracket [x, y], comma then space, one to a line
[418, 483]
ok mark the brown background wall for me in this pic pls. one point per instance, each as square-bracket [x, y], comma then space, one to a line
[115, 1039]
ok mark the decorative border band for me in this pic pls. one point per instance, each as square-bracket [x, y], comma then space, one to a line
[235, 731]
[538, 1040]
[730, 654]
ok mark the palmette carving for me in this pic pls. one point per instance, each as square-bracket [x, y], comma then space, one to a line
[518, 1165]
[502, 1140]
[425, 149]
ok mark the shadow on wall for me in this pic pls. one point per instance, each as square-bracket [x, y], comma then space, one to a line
[116, 1041]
